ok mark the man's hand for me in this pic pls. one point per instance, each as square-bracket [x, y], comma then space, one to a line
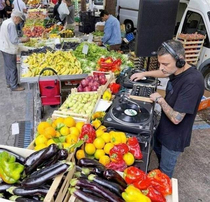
[25, 39]
[137, 76]
[155, 96]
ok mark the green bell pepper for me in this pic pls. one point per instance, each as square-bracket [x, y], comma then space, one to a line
[10, 170]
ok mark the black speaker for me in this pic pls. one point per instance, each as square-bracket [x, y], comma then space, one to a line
[156, 24]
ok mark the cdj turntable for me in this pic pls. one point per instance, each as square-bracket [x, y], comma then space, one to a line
[127, 83]
[130, 115]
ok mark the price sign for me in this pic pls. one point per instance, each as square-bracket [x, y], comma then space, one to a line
[85, 49]
[90, 38]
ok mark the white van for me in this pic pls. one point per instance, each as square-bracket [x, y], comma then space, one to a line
[193, 16]
[95, 5]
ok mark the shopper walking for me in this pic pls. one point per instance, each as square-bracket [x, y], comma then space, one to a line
[9, 46]
[70, 17]
[112, 32]
[179, 107]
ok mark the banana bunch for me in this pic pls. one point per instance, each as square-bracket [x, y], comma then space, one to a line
[64, 63]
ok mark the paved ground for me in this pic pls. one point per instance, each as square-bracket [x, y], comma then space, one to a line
[192, 170]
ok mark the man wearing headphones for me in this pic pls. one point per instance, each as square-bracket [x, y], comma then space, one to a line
[179, 107]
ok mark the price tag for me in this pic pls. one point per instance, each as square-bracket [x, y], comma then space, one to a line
[57, 41]
[90, 38]
[85, 49]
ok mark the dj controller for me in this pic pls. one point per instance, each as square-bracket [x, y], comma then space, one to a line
[132, 111]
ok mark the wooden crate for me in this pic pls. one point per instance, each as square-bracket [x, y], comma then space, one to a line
[63, 194]
[109, 76]
[78, 117]
[192, 48]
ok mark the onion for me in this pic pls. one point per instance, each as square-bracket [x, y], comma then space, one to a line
[84, 83]
[89, 78]
[94, 88]
[102, 76]
[87, 88]
[103, 81]
[80, 88]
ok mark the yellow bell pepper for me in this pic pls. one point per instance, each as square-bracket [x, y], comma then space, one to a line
[117, 137]
[132, 194]
[96, 123]
[107, 95]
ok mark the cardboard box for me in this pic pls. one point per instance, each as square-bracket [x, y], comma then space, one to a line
[63, 194]
[100, 28]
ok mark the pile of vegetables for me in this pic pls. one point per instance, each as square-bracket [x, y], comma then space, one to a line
[30, 178]
[95, 182]
[92, 83]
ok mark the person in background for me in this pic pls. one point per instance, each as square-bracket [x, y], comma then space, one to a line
[112, 32]
[9, 46]
[55, 11]
[184, 91]
[2, 11]
[8, 8]
[70, 17]
[20, 5]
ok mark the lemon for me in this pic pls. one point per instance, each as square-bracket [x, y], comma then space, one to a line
[99, 133]
[108, 147]
[99, 153]
[41, 127]
[69, 121]
[90, 148]
[79, 126]
[99, 143]
[104, 160]
[71, 139]
[40, 146]
[64, 131]
[80, 154]
[50, 141]
[49, 132]
[74, 131]
[41, 139]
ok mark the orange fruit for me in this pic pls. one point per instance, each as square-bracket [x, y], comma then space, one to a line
[128, 158]
[79, 126]
[99, 133]
[90, 148]
[74, 131]
[104, 160]
[64, 131]
[106, 137]
[108, 147]
[71, 139]
[69, 121]
[99, 143]
[41, 139]
[99, 153]
[41, 127]
[49, 132]
[80, 154]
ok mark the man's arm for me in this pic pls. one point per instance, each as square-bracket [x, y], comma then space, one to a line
[107, 33]
[174, 116]
[156, 73]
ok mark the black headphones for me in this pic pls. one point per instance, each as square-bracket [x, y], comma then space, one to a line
[180, 62]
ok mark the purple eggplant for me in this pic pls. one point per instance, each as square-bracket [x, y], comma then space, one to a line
[20, 191]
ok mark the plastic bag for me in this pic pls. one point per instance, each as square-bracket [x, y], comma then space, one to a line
[63, 11]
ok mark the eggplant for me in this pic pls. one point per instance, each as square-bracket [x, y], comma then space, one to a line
[79, 174]
[45, 170]
[23, 199]
[98, 167]
[112, 186]
[61, 154]
[108, 195]
[36, 181]
[92, 192]
[85, 197]
[21, 191]
[18, 157]
[4, 187]
[46, 155]
[114, 176]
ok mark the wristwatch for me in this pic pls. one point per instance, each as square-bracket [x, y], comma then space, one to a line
[157, 98]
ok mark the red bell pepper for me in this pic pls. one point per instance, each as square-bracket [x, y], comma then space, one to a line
[119, 166]
[114, 87]
[153, 194]
[142, 184]
[88, 134]
[133, 174]
[117, 152]
[160, 181]
[134, 147]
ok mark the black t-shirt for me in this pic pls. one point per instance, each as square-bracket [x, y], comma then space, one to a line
[183, 94]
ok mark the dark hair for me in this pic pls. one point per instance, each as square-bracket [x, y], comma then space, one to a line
[104, 12]
[175, 45]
